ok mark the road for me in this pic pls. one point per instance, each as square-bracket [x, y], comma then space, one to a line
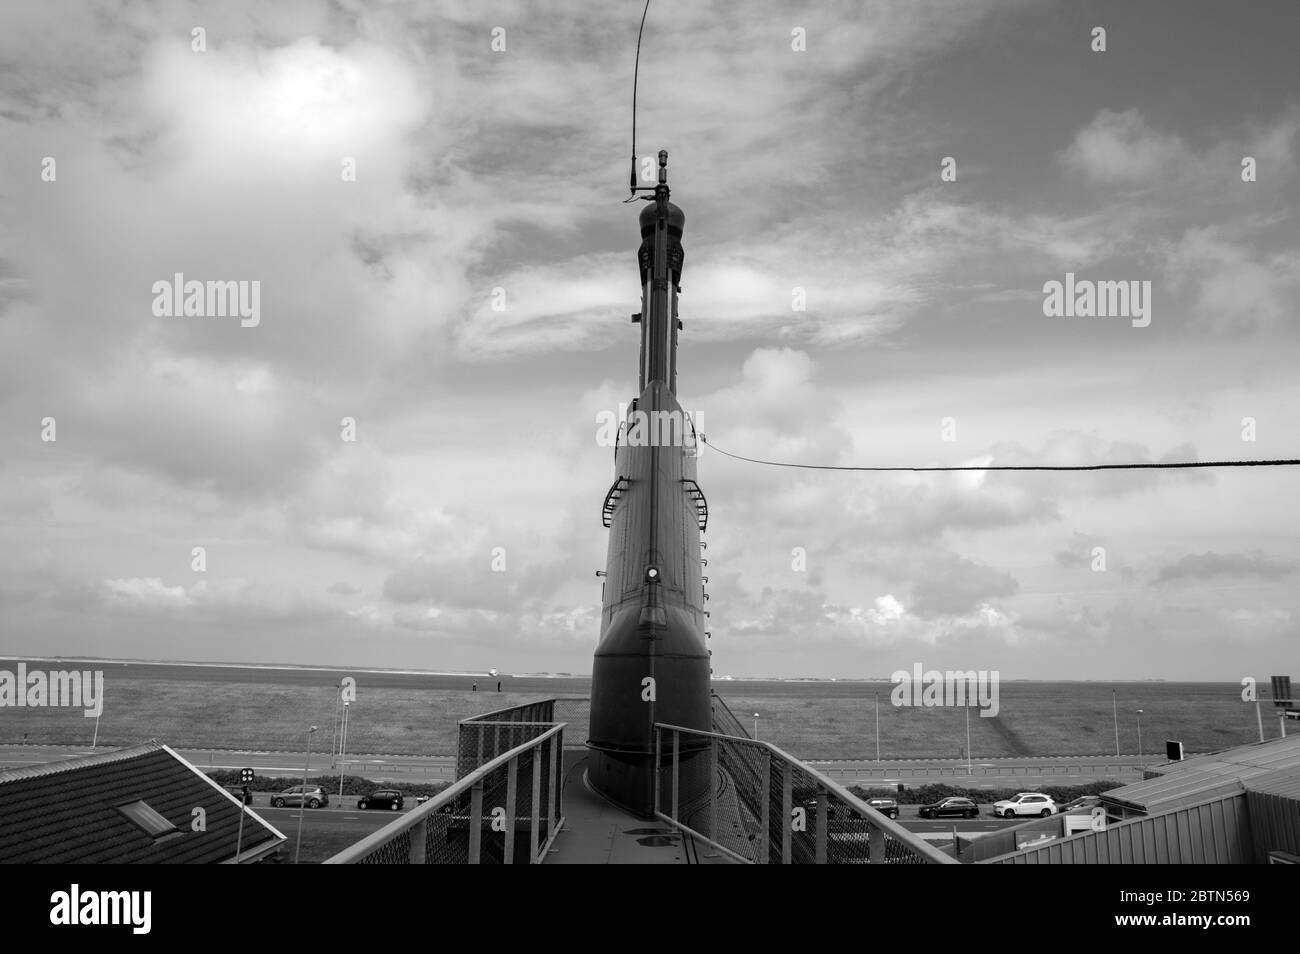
[993, 773]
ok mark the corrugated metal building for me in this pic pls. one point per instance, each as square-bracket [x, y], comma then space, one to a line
[1239, 806]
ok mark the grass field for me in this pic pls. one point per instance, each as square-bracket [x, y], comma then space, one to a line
[404, 714]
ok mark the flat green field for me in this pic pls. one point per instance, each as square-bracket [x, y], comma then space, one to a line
[255, 709]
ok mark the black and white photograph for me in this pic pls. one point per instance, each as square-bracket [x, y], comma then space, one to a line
[652, 432]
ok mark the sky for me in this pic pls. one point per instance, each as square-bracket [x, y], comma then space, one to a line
[429, 196]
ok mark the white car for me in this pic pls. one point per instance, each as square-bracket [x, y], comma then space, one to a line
[1026, 803]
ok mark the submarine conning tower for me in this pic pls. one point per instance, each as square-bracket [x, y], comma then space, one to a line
[651, 663]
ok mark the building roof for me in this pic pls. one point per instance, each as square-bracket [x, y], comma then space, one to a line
[70, 811]
[1206, 777]
[1285, 783]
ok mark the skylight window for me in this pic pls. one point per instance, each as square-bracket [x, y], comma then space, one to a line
[146, 819]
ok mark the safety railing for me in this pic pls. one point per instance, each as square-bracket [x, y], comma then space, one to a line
[759, 805]
[725, 721]
[482, 738]
[576, 711]
[505, 811]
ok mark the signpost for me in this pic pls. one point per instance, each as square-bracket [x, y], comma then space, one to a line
[1282, 699]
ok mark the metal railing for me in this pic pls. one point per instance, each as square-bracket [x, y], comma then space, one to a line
[483, 737]
[509, 808]
[725, 721]
[759, 805]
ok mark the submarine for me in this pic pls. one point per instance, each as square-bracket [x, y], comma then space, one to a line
[651, 663]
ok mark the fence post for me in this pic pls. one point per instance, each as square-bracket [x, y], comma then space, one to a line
[823, 814]
[419, 834]
[550, 789]
[677, 740]
[713, 788]
[475, 820]
[786, 798]
[512, 783]
[876, 846]
[659, 761]
[537, 805]
[765, 832]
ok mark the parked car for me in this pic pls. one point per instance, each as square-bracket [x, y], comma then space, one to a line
[1083, 804]
[1026, 803]
[421, 799]
[952, 807]
[389, 798]
[886, 806]
[313, 795]
[241, 792]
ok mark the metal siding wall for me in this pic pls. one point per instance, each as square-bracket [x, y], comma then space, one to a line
[1275, 824]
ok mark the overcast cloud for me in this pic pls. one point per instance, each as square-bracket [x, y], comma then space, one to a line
[461, 527]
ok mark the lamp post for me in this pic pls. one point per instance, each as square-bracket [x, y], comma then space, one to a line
[334, 742]
[968, 767]
[877, 727]
[756, 726]
[343, 746]
[1115, 713]
[302, 801]
[1139, 714]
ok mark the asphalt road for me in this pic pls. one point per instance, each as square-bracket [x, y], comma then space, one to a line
[320, 819]
[994, 773]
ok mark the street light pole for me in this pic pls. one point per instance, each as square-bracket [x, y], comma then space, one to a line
[302, 801]
[1139, 713]
[334, 742]
[1115, 712]
[343, 747]
[755, 726]
[968, 768]
[877, 727]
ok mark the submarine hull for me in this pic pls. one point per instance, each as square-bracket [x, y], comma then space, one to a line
[651, 663]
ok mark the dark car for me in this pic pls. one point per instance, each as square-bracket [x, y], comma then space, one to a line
[886, 806]
[1082, 804]
[389, 798]
[241, 792]
[952, 807]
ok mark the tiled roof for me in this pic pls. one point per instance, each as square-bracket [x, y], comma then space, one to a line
[66, 811]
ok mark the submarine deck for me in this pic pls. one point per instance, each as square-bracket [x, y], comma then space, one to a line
[597, 832]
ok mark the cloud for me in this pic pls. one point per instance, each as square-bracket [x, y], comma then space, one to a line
[956, 585]
[1119, 147]
[1079, 551]
[207, 601]
[1209, 565]
[1234, 288]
